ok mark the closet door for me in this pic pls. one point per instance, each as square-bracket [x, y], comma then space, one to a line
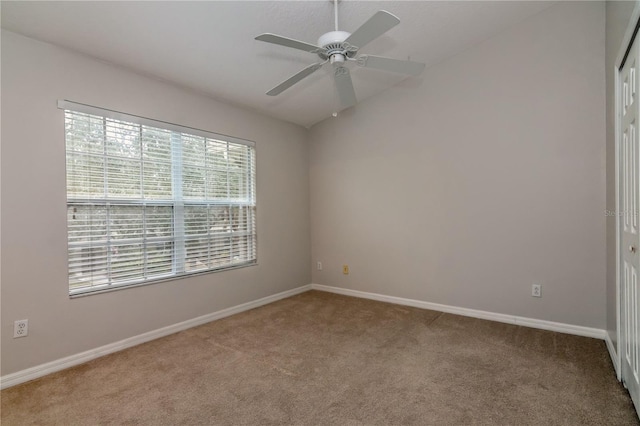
[629, 180]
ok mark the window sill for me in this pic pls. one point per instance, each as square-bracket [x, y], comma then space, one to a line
[107, 288]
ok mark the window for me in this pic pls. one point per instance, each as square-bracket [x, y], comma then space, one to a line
[148, 200]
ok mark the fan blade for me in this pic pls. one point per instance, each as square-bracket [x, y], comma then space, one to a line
[389, 64]
[288, 42]
[295, 78]
[377, 25]
[345, 87]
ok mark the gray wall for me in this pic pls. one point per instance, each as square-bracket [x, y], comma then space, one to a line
[462, 187]
[34, 269]
[618, 15]
[479, 179]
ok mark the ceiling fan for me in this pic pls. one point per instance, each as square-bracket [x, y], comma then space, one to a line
[338, 48]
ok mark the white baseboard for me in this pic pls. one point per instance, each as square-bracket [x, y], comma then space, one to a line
[613, 354]
[510, 319]
[70, 361]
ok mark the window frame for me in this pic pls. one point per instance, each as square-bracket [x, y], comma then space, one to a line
[178, 203]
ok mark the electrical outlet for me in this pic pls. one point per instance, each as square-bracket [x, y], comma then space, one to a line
[319, 266]
[536, 290]
[345, 269]
[21, 328]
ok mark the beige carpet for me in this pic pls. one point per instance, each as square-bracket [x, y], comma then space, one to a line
[323, 359]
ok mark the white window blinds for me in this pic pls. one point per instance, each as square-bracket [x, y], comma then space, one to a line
[148, 200]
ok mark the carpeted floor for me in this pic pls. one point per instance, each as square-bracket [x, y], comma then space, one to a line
[324, 359]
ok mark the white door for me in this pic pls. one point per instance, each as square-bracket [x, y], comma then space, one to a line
[629, 197]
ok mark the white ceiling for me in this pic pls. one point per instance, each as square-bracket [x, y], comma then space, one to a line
[210, 46]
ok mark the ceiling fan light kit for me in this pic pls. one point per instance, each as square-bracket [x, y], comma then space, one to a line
[340, 47]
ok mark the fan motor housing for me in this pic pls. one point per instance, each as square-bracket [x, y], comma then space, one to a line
[333, 43]
[332, 38]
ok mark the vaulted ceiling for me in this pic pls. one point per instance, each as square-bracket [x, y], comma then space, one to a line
[209, 46]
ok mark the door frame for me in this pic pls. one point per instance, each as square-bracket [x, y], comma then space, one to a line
[628, 38]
